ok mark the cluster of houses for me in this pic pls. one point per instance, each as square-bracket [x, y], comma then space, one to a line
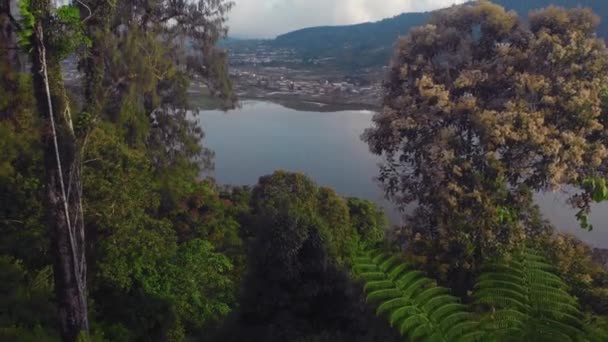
[263, 55]
[301, 86]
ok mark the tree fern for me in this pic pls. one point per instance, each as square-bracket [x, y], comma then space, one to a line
[520, 299]
[527, 301]
[412, 303]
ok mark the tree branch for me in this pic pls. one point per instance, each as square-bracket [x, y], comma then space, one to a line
[88, 9]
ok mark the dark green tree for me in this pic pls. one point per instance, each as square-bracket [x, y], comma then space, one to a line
[27, 307]
[137, 65]
[142, 139]
[50, 35]
[295, 288]
[175, 271]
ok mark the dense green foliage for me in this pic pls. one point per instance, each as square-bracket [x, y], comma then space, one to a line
[528, 301]
[173, 257]
[295, 287]
[137, 250]
[27, 308]
[20, 172]
[515, 299]
[412, 303]
[164, 252]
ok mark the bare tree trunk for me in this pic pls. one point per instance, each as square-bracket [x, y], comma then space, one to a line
[64, 190]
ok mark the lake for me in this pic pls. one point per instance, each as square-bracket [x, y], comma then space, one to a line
[261, 137]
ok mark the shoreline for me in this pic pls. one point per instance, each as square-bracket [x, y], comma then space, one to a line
[309, 105]
[201, 101]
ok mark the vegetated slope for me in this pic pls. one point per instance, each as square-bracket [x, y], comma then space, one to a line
[353, 45]
[371, 44]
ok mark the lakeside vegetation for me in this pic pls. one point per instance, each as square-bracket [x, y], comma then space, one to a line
[109, 233]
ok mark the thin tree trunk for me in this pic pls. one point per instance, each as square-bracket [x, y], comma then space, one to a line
[64, 190]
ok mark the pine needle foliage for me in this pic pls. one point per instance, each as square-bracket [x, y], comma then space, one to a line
[515, 299]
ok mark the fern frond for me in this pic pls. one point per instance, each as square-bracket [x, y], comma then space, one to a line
[529, 301]
[411, 323]
[561, 328]
[454, 319]
[493, 275]
[385, 294]
[372, 276]
[397, 271]
[363, 268]
[401, 314]
[421, 331]
[439, 302]
[362, 260]
[461, 329]
[388, 264]
[412, 302]
[540, 277]
[445, 310]
[407, 277]
[501, 298]
[505, 319]
[379, 258]
[494, 283]
[571, 319]
[392, 304]
[432, 292]
[378, 285]
[416, 287]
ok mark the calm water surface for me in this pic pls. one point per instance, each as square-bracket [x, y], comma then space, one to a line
[262, 137]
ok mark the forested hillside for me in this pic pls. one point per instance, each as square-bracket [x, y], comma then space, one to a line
[354, 45]
[371, 44]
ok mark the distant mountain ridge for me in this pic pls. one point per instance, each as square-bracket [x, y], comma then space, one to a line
[371, 44]
[344, 43]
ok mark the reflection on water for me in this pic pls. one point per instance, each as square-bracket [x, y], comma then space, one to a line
[262, 137]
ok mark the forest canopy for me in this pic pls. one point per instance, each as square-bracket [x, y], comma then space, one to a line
[109, 231]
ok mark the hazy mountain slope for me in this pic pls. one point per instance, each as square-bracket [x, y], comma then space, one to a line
[345, 43]
[371, 44]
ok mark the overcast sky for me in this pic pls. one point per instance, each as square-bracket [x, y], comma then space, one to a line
[269, 18]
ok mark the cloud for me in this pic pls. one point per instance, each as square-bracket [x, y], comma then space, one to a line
[268, 18]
